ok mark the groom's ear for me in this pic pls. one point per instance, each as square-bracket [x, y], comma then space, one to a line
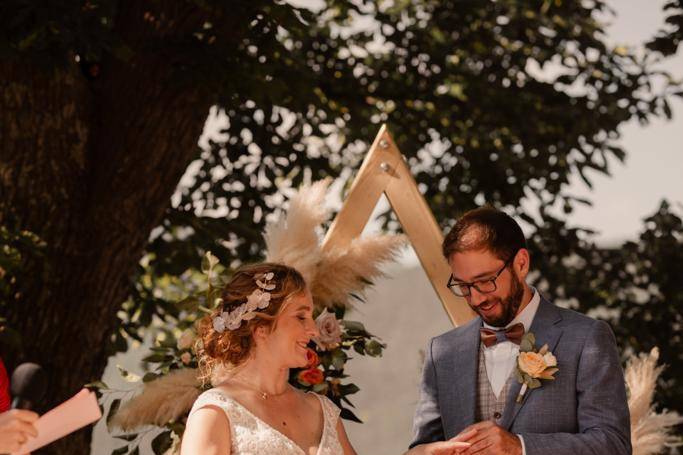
[522, 263]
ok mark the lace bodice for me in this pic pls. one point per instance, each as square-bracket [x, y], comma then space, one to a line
[251, 436]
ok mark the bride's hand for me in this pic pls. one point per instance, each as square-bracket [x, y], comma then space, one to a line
[453, 446]
[449, 447]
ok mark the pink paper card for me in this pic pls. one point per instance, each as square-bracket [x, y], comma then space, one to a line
[75, 413]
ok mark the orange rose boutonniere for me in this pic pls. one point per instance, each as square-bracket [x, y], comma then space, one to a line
[532, 365]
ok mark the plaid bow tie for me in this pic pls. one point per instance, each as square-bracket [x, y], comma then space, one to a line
[513, 333]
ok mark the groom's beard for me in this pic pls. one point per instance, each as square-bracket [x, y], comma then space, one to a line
[510, 305]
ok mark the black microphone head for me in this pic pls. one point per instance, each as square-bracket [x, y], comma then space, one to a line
[28, 385]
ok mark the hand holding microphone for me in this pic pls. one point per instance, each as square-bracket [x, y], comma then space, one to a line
[17, 425]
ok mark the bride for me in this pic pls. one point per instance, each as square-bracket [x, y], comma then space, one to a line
[246, 348]
[261, 330]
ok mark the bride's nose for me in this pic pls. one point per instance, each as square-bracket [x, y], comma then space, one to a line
[312, 329]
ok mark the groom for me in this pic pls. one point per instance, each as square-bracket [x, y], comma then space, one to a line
[469, 379]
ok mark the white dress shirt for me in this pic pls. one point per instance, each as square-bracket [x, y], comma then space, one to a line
[500, 358]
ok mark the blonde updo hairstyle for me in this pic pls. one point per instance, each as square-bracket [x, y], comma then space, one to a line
[231, 348]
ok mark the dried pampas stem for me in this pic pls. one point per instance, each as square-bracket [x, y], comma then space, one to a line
[162, 400]
[342, 272]
[293, 240]
[650, 431]
[331, 275]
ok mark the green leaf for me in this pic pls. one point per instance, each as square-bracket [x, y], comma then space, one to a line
[162, 442]
[519, 376]
[338, 359]
[158, 358]
[373, 348]
[126, 437]
[353, 325]
[150, 377]
[120, 450]
[347, 414]
[526, 346]
[99, 385]
[348, 389]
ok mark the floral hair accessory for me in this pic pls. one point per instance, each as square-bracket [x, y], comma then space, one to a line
[257, 300]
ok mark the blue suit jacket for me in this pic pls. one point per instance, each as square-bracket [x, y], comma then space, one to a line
[583, 411]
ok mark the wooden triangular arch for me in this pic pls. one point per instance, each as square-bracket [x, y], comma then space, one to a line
[385, 171]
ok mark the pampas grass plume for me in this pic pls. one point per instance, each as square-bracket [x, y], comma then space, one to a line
[344, 271]
[162, 400]
[650, 431]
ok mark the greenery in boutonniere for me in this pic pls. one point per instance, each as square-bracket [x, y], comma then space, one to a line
[533, 365]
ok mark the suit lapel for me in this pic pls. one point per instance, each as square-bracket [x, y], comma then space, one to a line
[464, 387]
[547, 332]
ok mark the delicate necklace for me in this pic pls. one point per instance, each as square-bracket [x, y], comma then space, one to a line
[263, 395]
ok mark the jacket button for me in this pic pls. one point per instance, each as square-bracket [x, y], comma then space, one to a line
[497, 415]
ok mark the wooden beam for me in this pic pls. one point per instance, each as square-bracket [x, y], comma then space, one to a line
[366, 190]
[385, 171]
[426, 237]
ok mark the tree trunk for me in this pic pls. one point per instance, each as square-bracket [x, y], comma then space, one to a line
[89, 166]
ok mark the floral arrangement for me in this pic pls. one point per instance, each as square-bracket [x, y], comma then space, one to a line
[533, 365]
[171, 385]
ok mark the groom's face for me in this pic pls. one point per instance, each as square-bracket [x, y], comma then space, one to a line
[497, 308]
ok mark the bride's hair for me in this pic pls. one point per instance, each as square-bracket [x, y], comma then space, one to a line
[230, 348]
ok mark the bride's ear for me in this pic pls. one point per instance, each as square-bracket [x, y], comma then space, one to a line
[260, 332]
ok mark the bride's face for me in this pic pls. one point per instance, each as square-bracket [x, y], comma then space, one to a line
[295, 327]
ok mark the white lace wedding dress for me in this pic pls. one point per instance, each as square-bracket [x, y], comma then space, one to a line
[251, 435]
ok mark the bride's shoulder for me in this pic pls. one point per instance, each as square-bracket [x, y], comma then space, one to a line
[330, 409]
[215, 397]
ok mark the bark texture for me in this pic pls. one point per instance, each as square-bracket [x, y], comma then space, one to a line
[89, 164]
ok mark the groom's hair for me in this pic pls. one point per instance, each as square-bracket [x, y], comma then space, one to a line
[485, 228]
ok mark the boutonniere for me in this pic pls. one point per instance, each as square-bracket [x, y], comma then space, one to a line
[533, 365]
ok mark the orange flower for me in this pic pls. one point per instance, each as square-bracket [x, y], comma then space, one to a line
[531, 363]
[311, 376]
[312, 359]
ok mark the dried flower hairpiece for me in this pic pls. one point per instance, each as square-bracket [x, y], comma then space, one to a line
[257, 300]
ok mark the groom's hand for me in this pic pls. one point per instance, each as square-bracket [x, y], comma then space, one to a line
[490, 439]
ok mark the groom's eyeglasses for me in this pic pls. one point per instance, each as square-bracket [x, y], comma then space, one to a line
[483, 287]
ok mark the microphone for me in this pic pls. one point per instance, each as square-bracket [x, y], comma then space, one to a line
[28, 385]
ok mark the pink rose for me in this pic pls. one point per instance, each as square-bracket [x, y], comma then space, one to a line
[330, 331]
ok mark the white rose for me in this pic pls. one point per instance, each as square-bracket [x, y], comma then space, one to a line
[186, 358]
[330, 331]
[186, 339]
[550, 359]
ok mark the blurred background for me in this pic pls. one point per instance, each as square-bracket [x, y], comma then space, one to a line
[114, 181]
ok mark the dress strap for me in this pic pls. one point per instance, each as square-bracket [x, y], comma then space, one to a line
[330, 410]
[213, 397]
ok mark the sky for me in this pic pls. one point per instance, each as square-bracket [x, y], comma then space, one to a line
[654, 165]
